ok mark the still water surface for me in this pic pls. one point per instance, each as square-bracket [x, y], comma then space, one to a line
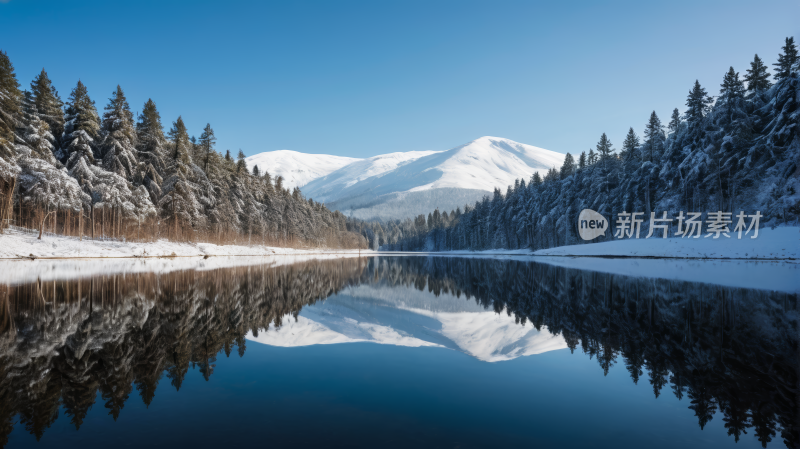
[396, 352]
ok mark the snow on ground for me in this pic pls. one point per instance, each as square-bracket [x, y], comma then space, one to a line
[778, 243]
[769, 262]
[17, 244]
[59, 257]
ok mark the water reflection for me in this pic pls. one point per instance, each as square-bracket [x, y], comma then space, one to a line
[725, 351]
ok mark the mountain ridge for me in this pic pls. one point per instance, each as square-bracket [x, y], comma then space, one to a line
[388, 186]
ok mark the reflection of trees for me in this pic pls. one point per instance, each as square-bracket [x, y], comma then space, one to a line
[62, 343]
[725, 349]
[720, 349]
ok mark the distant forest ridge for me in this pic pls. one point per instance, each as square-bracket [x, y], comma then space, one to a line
[737, 151]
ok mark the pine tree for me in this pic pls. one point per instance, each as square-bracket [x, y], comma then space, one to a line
[592, 157]
[34, 131]
[178, 203]
[81, 127]
[49, 106]
[604, 147]
[698, 103]
[786, 60]
[654, 138]
[629, 145]
[757, 76]
[9, 108]
[731, 93]
[582, 160]
[180, 141]
[256, 172]
[241, 164]
[568, 168]
[675, 121]
[207, 142]
[228, 156]
[119, 137]
[150, 146]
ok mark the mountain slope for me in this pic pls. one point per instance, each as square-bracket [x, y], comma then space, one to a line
[297, 169]
[469, 171]
[405, 184]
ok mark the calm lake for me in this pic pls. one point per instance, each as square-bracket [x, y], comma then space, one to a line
[400, 352]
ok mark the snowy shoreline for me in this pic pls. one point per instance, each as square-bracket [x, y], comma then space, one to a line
[15, 244]
[781, 243]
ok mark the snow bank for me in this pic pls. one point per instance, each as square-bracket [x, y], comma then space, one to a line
[16, 244]
[778, 243]
[773, 275]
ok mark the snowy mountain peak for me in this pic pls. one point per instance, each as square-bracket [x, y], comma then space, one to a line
[297, 169]
[399, 185]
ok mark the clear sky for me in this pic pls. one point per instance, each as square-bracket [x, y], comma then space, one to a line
[358, 79]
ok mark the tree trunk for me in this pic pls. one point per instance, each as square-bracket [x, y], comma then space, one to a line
[41, 224]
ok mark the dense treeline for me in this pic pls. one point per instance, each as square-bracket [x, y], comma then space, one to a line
[738, 151]
[67, 168]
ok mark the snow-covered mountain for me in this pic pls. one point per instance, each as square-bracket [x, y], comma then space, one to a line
[297, 169]
[400, 185]
[405, 316]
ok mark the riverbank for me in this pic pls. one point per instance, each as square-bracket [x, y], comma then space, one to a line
[15, 244]
[772, 244]
[781, 243]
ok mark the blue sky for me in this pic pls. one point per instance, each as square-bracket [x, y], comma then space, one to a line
[364, 78]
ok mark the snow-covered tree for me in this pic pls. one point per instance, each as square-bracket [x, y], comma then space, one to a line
[9, 108]
[674, 121]
[653, 139]
[49, 106]
[151, 149]
[81, 127]
[207, 142]
[241, 164]
[178, 202]
[757, 76]
[629, 145]
[568, 168]
[34, 133]
[787, 60]
[9, 112]
[118, 137]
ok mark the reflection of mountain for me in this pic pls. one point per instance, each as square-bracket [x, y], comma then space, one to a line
[384, 315]
[730, 353]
